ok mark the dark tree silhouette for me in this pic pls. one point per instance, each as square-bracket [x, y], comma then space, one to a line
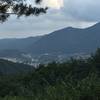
[19, 8]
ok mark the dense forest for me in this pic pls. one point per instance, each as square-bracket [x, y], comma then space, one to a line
[8, 67]
[75, 79]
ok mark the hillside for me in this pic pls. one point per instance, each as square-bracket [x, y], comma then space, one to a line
[68, 41]
[8, 67]
[61, 44]
[17, 44]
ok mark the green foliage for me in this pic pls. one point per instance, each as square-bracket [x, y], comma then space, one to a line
[8, 67]
[71, 80]
[19, 8]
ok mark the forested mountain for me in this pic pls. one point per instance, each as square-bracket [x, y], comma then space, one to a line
[69, 41]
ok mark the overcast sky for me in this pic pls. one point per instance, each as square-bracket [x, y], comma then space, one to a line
[61, 14]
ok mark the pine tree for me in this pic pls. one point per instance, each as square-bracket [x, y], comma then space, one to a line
[19, 8]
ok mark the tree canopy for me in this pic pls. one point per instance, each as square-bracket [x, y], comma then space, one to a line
[75, 79]
[19, 8]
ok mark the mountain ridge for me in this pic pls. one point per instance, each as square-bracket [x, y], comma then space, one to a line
[64, 41]
[17, 43]
[69, 38]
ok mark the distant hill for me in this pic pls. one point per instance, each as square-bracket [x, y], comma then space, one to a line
[8, 67]
[68, 41]
[14, 53]
[17, 44]
[65, 41]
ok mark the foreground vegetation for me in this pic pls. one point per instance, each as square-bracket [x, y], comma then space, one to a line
[71, 80]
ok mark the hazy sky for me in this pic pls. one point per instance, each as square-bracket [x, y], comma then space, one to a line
[62, 13]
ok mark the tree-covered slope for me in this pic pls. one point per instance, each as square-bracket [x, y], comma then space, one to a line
[71, 80]
[8, 67]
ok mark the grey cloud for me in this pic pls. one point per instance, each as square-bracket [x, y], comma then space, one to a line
[85, 10]
[76, 13]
